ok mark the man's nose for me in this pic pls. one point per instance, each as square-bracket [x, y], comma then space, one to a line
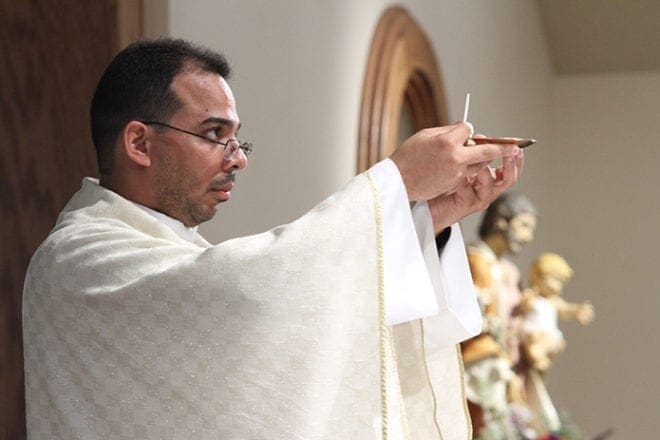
[238, 162]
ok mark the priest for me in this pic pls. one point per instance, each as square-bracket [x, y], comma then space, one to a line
[342, 324]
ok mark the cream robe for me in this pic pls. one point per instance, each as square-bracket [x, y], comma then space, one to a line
[132, 332]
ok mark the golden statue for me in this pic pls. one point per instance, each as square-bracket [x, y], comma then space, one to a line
[494, 390]
[506, 364]
[541, 307]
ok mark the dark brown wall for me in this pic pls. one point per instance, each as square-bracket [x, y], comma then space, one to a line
[51, 56]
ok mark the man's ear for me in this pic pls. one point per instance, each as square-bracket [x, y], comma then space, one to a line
[136, 143]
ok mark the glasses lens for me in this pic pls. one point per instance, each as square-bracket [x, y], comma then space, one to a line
[230, 149]
[246, 147]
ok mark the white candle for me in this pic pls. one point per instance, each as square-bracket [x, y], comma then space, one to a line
[467, 107]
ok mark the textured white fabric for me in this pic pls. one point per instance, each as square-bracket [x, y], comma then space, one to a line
[133, 332]
[183, 231]
[419, 283]
[459, 316]
[403, 263]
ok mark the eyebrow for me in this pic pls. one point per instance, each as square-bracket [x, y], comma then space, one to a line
[221, 121]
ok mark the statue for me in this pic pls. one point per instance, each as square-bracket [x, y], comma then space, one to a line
[541, 306]
[494, 390]
[506, 364]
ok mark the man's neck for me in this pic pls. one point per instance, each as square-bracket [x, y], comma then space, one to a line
[119, 186]
[122, 185]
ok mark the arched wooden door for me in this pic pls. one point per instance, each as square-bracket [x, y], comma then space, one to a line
[402, 77]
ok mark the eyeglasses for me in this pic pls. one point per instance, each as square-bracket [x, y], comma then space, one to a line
[231, 147]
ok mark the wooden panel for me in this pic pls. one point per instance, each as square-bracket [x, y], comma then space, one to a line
[401, 70]
[53, 53]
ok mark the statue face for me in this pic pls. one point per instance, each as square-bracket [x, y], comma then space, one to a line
[550, 285]
[520, 231]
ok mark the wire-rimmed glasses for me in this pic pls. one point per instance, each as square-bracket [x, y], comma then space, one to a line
[231, 147]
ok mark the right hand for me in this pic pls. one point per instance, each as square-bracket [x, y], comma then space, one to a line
[585, 313]
[435, 161]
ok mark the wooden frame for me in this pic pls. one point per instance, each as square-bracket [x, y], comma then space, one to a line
[130, 26]
[401, 71]
[57, 51]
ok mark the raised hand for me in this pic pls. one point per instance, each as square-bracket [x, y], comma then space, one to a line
[474, 193]
[435, 161]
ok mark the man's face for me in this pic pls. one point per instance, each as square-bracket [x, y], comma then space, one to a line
[191, 177]
[520, 231]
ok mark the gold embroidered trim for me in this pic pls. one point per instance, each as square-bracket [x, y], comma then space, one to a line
[386, 338]
[382, 329]
[428, 378]
[461, 367]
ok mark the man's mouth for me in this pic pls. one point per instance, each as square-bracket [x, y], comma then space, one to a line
[223, 188]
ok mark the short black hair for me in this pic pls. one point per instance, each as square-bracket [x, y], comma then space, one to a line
[506, 206]
[136, 86]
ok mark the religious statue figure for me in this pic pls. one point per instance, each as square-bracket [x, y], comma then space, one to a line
[541, 306]
[495, 392]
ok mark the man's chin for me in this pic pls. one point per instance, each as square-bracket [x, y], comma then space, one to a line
[200, 217]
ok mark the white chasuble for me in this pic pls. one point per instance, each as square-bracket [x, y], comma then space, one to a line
[132, 332]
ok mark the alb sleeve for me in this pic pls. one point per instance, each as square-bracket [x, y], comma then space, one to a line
[419, 281]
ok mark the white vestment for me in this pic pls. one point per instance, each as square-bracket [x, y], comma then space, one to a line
[133, 332]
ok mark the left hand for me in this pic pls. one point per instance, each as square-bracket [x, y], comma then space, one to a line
[475, 192]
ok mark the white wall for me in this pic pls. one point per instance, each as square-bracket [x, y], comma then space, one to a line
[602, 209]
[299, 68]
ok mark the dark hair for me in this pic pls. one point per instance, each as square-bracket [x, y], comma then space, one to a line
[506, 206]
[136, 86]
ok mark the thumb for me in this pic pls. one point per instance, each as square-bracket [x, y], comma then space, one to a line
[489, 152]
[458, 133]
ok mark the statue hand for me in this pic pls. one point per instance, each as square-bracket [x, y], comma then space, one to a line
[585, 313]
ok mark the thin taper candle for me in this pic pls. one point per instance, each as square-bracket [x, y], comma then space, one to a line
[467, 107]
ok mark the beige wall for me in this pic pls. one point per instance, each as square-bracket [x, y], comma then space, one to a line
[601, 211]
[299, 67]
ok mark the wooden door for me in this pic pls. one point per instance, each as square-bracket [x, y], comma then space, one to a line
[52, 54]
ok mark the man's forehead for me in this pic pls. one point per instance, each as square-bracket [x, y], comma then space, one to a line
[209, 91]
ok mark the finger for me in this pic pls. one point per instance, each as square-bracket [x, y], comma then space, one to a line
[482, 192]
[486, 177]
[520, 161]
[449, 192]
[482, 183]
[470, 126]
[441, 130]
[459, 133]
[509, 172]
[488, 152]
[467, 192]
[475, 168]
